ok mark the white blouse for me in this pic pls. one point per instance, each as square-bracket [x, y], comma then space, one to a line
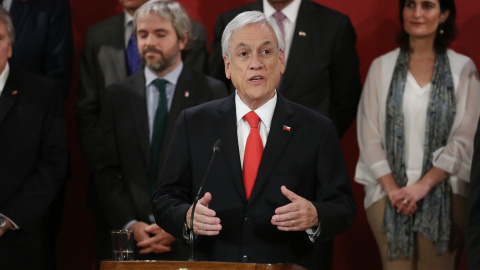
[454, 158]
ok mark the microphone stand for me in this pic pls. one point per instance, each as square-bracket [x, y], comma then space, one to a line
[216, 148]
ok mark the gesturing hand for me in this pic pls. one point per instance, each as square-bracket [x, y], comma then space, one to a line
[299, 215]
[205, 221]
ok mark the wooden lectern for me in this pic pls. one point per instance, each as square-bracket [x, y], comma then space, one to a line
[194, 265]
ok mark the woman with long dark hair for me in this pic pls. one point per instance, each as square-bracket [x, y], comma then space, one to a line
[416, 121]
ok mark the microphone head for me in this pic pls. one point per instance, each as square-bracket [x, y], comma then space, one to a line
[217, 146]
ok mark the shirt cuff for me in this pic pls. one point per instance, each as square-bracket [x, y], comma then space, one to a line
[14, 227]
[313, 233]
[129, 224]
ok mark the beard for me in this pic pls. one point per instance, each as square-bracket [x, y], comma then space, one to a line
[166, 59]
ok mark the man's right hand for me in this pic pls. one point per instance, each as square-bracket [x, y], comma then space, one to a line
[204, 221]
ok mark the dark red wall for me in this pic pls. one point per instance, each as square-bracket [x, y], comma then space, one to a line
[376, 24]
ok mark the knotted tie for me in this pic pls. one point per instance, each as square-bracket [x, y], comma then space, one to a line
[279, 17]
[159, 124]
[133, 57]
[253, 153]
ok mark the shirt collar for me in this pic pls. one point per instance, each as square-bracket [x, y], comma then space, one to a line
[265, 112]
[4, 77]
[171, 77]
[128, 18]
[290, 11]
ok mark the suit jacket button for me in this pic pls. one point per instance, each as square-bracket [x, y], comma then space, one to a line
[244, 258]
[247, 220]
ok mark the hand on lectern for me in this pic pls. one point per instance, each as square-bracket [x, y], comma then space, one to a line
[205, 221]
[299, 215]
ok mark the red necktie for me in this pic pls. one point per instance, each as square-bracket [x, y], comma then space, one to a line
[253, 153]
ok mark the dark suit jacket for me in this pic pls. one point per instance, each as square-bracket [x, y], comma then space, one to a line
[103, 63]
[43, 39]
[473, 210]
[33, 163]
[322, 66]
[122, 175]
[307, 159]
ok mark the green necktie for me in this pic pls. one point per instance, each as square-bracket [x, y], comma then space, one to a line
[158, 129]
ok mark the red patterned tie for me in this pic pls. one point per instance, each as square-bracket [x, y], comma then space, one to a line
[253, 153]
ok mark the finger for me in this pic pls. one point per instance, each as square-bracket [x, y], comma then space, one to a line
[164, 238]
[292, 225]
[205, 200]
[289, 194]
[155, 249]
[146, 250]
[159, 248]
[153, 228]
[146, 243]
[207, 228]
[283, 218]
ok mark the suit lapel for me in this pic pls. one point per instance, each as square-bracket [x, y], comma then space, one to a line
[299, 45]
[19, 11]
[227, 130]
[180, 101]
[139, 110]
[278, 139]
[9, 95]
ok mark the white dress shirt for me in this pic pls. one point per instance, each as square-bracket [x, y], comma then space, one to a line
[291, 13]
[265, 112]
[3, 77]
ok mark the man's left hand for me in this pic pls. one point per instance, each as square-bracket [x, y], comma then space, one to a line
[299, 215]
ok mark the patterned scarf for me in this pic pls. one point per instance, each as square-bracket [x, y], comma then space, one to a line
[432, 218]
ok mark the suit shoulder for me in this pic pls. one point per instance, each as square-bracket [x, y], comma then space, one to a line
[217, 87]
[33, 85]
[309, 115]
[98, 28]
[329, 12]
[206, 109]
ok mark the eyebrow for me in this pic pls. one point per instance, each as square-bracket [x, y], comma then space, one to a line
[241, 44]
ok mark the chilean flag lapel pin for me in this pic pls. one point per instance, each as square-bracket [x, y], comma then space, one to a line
[286, 128]
[14, 92]
[302, 34]
[186, 94]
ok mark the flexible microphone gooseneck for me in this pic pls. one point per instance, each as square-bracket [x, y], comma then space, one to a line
[216, 148]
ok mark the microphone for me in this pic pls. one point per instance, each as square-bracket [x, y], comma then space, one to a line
[216, 148]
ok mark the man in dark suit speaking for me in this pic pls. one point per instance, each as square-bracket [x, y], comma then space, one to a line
[279, 186]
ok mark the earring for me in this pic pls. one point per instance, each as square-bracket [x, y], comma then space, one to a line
[441, 31]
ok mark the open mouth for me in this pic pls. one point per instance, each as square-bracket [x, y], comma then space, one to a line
[256, 78]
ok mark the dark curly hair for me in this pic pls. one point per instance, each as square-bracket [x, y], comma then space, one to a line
[441, 40]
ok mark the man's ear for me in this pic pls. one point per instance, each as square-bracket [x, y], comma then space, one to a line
[182, 42]
[227, 67]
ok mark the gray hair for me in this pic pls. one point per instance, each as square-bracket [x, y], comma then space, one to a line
[7, 20]
[249, 18]
[168, 10]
